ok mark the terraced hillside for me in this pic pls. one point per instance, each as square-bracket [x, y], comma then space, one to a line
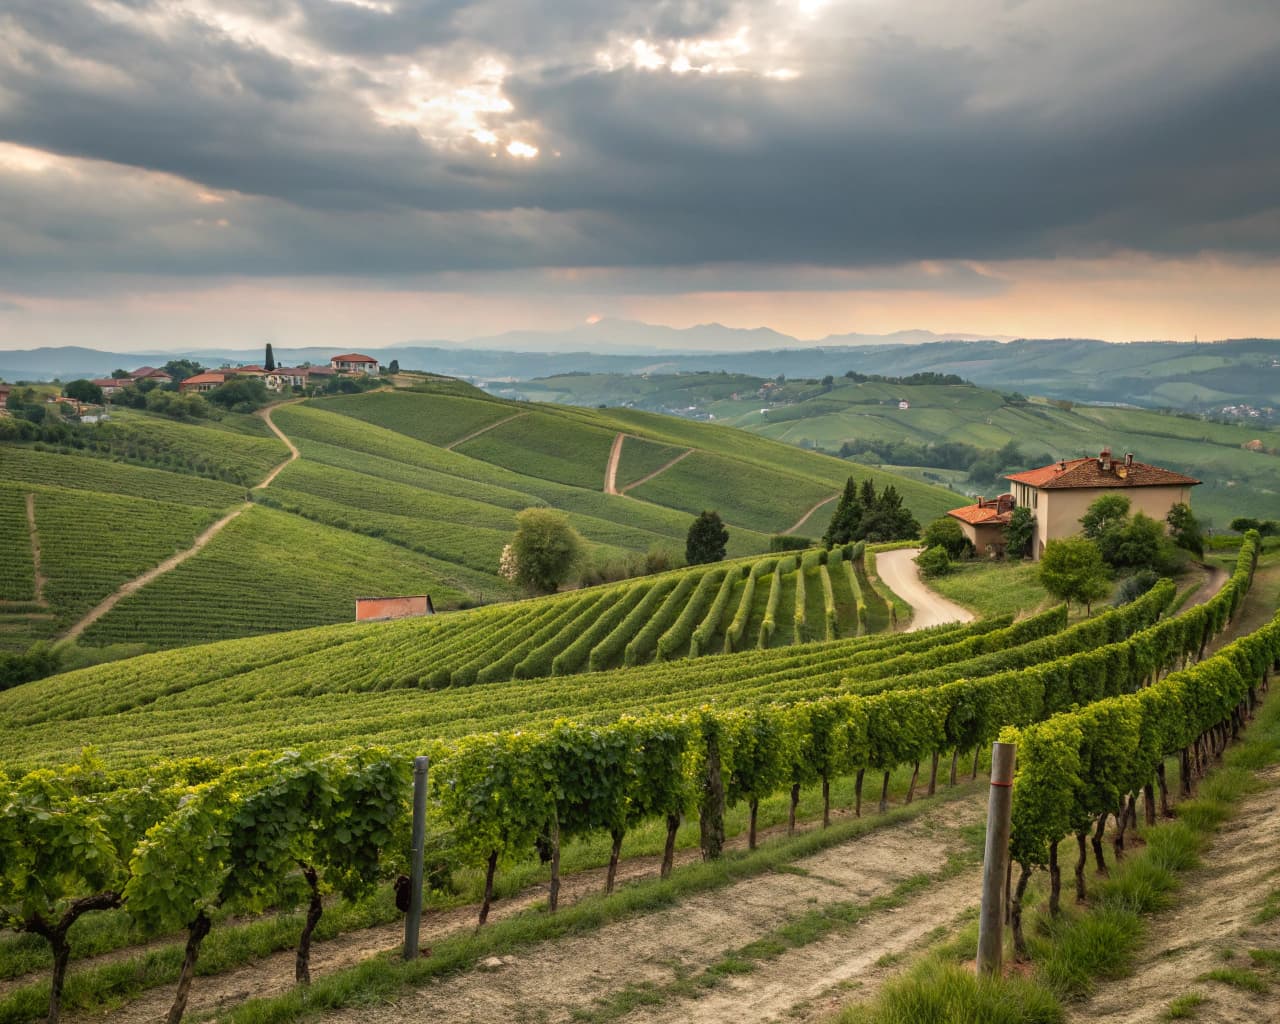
[411, 491]
[563, 763]
[1238, 481]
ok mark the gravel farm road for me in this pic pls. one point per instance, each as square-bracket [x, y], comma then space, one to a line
[898, 571]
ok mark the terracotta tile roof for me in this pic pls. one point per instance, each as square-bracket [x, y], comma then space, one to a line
[207, 378]
[1089, 472]
[980, 515]
[353, 357]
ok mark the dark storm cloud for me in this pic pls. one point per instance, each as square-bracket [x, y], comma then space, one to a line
[887, 148]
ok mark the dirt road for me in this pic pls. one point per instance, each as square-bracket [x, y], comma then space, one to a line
[558, 981]
[1215, 925]
[899, 572]
[138, 582]
[805, 518]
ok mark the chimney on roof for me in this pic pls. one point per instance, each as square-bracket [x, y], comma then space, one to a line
[1128, 460]
[1104, 460]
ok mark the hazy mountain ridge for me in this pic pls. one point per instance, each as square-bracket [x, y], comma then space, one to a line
[1190, 375]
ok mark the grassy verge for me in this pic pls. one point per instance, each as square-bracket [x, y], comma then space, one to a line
[1071, 953]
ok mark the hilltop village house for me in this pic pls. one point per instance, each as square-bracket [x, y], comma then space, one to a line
[1060, 493]
[282, 377]
[354, 362]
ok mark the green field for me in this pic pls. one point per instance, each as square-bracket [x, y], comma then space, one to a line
[1236, 481]
[376, 503]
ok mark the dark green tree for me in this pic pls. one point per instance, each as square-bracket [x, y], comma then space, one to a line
[1185, 529]
[84, 391]
[394, 367]
[1020, 532]
[888, 519]
[181, 369]
[269, 361]
[119, 374]
[847, 518]
[867, 493]
[243, 394]
[707, 539]
[945, 532]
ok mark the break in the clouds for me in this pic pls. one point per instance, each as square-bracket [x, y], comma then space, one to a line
[630, 147]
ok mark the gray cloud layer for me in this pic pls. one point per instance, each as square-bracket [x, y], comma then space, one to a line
[908, 132]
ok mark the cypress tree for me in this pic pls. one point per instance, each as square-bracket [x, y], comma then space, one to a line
[269, 363]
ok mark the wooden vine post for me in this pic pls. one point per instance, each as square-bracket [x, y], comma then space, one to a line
[413, 919]
[995, 860]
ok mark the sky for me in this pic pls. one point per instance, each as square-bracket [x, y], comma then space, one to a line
[181, 173]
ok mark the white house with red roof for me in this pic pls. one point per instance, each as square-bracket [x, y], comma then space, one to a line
[354, 362]
[1060, 493]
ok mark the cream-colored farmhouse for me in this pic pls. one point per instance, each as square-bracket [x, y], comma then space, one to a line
[1060, 493]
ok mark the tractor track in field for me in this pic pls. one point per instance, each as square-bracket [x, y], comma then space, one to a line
[555, 981]
[483, 430]
[615, 457]
[808, 515]
[38, 579]
[172, 562]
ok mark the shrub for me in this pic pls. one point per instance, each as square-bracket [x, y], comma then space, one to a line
[934, 561]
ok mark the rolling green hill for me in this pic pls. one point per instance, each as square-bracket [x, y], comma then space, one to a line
[863, 418]
[409, 491]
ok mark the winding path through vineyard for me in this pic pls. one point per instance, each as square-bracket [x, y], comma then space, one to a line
[483, 430]
[171, 563]
[900, 574]
[38, 578]
[808, 515]
[657, 472]
[611, 470]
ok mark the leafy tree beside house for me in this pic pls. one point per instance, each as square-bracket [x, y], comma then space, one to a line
[1019, 533]
[945, 533]
[84, 391]
[181, 369]
[1130, 542]
[707, 539]
[1185, 529]
[240, 394]
[1072, 570]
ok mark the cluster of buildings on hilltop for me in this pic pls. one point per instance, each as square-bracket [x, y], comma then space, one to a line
[1060, 493]
[284, 377]
[279, 379]
[110, 385]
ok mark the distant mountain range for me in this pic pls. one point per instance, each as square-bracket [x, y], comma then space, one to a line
[1182, 375]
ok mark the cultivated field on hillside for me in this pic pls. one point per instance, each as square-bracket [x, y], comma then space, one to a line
[409, 491]
[1237, 481]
